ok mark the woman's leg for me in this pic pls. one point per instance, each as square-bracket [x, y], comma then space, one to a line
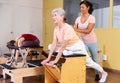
[93, 49]
[92, 64]
[11, 59]
[89, 62]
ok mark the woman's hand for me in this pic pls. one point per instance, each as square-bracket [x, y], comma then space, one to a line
[52, 63]
[44, 61]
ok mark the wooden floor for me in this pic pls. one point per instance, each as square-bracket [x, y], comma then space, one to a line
[112, 78]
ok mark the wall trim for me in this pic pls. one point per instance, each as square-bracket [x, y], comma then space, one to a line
[112, 70]
[107, 69]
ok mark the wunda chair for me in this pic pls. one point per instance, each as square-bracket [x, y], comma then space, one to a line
[73, 70]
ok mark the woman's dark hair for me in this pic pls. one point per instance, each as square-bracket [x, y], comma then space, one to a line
[11, 43]
[88, 4]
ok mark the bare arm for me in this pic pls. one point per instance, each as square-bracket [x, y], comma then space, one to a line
[86, 31]
[63, 46]
[54, 43]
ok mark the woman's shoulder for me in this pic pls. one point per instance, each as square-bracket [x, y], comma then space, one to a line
[78, 17]
[91, 16]
[68, 25]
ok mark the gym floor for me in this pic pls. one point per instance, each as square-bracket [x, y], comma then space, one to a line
[112, 78]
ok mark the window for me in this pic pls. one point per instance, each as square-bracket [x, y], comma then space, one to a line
[72, 10]
[116, 13]
[101, 11]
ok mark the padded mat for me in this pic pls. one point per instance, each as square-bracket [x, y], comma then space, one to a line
[35, 62]
[7, 66]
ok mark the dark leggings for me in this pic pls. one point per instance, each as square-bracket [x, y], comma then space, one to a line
[31, 43]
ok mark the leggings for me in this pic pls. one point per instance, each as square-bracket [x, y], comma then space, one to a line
[31, 43]
[93, 49]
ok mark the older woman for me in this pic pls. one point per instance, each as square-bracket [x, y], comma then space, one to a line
[68, 41]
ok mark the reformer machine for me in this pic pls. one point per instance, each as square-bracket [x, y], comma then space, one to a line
[28, 68]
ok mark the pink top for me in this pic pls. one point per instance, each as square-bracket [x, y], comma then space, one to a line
[66, 33]
[87, 38]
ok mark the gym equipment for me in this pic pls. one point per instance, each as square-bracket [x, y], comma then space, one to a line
[17, 74]
[73, 70]
[28, 68]
[28, 52]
